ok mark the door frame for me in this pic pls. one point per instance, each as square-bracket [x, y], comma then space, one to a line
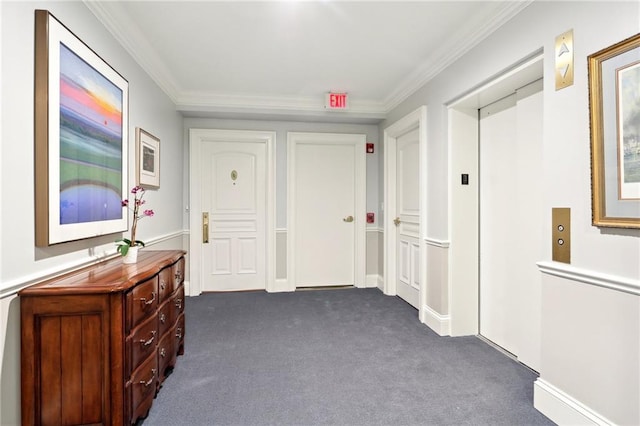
[358, 141]
[414, 120]
[198, 137]
[464, 201]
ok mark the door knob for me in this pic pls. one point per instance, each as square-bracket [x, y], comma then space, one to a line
[348, 219]
[396, 221]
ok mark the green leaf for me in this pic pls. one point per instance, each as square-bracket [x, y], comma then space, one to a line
[123, 249]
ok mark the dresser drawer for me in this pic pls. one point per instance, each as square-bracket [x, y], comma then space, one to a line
[142, 301]
[166, 317]
[177, 273]
[166, 356]
[142, 342]
[142, 388]
[179, 336]
[177, 303]
[165, 284]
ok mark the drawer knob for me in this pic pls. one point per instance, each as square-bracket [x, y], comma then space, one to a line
[153, 377]
[150, 301]
[150, 341]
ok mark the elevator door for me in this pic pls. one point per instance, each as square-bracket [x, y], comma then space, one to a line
[511, 222]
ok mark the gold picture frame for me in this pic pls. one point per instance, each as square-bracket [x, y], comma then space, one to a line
[80, 138]
[614, 113]
[147, 159]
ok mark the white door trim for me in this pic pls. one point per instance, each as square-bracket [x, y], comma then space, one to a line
[360, 173]
[463, 133]
[416, 119]
[196, 138]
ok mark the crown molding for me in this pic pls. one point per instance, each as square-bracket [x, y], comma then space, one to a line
[126, 32]
[277, 108]
[188, 100]
[449, 53]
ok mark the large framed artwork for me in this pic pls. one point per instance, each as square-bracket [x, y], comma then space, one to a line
[614, 101]
[147, 159]
[81, 138]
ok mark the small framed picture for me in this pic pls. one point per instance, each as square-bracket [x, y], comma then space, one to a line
[147, 159]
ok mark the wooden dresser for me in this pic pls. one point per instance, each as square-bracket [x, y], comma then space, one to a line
[97, 343]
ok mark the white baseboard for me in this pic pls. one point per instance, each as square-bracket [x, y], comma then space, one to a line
[562, 408]
[280, 285]
[187, 289]
[373, 281]
[437, 322]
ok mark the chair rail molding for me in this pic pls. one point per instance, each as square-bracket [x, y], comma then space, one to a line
[12, 287]
[612, 282]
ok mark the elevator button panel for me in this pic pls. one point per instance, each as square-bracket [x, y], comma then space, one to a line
[561, 234]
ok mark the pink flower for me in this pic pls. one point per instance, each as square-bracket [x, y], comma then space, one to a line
[138, 193]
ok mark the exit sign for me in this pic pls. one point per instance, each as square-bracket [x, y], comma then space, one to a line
[336, 101]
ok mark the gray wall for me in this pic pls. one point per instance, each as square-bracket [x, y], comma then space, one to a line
[281, 128]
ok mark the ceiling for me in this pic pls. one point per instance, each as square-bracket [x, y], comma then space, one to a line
[280, 58]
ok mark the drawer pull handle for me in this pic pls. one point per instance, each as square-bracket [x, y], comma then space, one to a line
[179, 333]
[163, 317]
[162, 285]
[178, 275]
[163, 352]
[150, 341]
[179, 303]
[147, 384]
[150, 301]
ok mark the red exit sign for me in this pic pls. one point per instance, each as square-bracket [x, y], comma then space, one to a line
[336, 101]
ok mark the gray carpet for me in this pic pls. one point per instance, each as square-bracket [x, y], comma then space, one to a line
[334, 357]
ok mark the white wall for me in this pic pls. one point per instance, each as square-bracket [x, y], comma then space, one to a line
[590, 336]
[20, 261]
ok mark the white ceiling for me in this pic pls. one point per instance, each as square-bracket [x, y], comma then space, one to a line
[279, 58]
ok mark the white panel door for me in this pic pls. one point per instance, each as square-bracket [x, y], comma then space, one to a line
[408, 220]
[326, 210]
[510, 223]
[233, 194]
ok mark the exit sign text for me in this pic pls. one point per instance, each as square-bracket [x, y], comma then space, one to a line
[336, 101]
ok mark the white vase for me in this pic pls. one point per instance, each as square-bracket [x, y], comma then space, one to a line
[131, 256]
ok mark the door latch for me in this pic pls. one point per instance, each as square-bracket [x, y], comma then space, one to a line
[205, 227]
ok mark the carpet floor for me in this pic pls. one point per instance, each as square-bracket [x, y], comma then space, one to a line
[334, 357]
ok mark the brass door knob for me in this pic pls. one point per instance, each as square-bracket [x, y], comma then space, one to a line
[348, 219]
[396, 221]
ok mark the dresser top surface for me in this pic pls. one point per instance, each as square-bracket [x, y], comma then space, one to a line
[108, 276]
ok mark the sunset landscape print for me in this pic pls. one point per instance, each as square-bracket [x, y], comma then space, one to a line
[90, 143]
